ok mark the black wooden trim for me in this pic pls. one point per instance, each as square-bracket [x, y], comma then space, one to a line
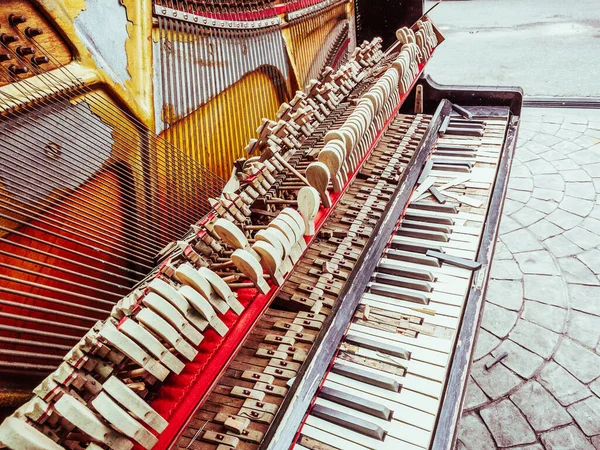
[293, 409]
[450, 412]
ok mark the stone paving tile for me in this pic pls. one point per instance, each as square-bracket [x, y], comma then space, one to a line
[591, 258]
[534, 338]
[507, 424]
[520, 360]
[474, 435]
[567, 438]
[507, 224]
[547, 194]
[560, 246]
[527, 216]
[507, 294]
[486, 342]
[587, 415]
[585, 298]
[583, 238]
[550, 317]
[537, 262]
[545, 289]
[584, 328]
[574, 271]
[562, 385]
[474, 397]
[521, 241]
[506, 269]
[496, 382]
[544, 229]
[585, 191]
[497, 320]
[577, 206]
[579, 361]
[501, 251]
[564, 219]
[578, 175]
[539, 407]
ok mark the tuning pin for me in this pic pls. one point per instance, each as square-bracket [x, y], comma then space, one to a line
[39, 60]
[18, 70]
[16, 19]
[7, 39]
[5, 56]
[33, 32]
[24, 51]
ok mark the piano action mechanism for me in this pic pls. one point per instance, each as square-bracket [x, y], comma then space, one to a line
[239, 225]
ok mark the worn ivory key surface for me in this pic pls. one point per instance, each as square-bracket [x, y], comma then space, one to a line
[15, 433]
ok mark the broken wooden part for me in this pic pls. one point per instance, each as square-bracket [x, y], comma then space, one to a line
[270, 260]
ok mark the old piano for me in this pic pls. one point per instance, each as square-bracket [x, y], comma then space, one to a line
[239, 225]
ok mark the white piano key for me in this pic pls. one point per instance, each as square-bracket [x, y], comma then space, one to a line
[451, 311]
[416, 400]
[400, 411]
[444, 269]
[422, 340]
[451, 244]
[437, 320]
[420, 353]
[394, 428]
[413, 365]
[389, 443]
[328, 438]
[439, 297]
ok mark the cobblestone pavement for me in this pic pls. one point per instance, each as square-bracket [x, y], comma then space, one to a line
[543, 299]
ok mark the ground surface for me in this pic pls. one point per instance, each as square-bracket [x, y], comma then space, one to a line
[548, 47]
[543, 300]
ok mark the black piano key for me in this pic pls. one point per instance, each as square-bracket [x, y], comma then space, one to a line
[408, 272]
[456, 119]
[462, 111]
[422, 234]
[405, 282]
[412, 247]
[426, 226]
[399, 293]
[463, 132]
[451, 167]
[425, 172]
[454, 148]
[465, 155]
[365, 376]
[432, 218]
[360, 404]
[455, 260]
[452, 162]
[444, 126]
[415, 258]
[350, 422]
[450, 209]
[437, 195]
[381, 347]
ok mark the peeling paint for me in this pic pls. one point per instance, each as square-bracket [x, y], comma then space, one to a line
[102, 27]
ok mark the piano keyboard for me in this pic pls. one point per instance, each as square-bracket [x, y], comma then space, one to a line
[384, 387]
[277, 347]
